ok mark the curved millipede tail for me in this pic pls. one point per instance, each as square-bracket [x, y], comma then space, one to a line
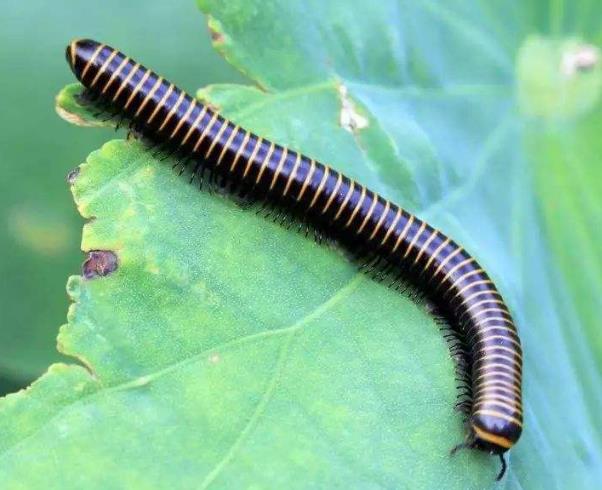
[341, 210]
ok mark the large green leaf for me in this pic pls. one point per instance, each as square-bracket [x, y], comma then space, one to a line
[227, 350]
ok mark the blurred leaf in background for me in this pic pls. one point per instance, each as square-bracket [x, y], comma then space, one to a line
[39, 230]
[251, 356]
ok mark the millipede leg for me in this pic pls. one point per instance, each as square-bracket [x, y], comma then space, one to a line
[503, 469]
[458, 447]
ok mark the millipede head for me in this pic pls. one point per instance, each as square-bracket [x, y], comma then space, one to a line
[492, 435]
[79, 52]
[475, 442]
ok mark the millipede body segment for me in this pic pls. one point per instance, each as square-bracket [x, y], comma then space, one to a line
[348, 212]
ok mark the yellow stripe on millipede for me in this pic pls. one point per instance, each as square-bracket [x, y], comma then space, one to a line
[252, 157]
[497, 384]
[72, 52]
[403, 233]
[137, 88]
[493, 438]
[241, 149]
[357, 207]
[215, 141]
[127, 79]
[496, 337]
[512, 376]
[265, 163]
[458, 280]
[498, 355]
[487, 319]
[415, 239]
[307, 179]
[368, 214]
[343, 205]
[205, 132]
[149, 96]
[495, 367]
[501, 347]
[291, 177]
[184, 118]
[482, 330]
[283, 155]
[513, 401]
[381, 220]
[425, 245]
[444, 262]
[495, 413]
[436, 253]
[484, 311]
[480, 282]
[489, 383]
[480, 293]
[92, 60]
[173, 110]
[194, 125]
[102, 69]
[229, 141]
[498, 367]
[459, 265]
[398, 216]
[499, 302]
[114, 75]
[320, 187]
[334, 193]
[491, 402]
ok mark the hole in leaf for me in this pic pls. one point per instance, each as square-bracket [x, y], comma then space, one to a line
[100, 263]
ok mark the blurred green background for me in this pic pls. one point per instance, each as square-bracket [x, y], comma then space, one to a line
[39, 226]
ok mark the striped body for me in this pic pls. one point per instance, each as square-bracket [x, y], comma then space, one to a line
[351, 213]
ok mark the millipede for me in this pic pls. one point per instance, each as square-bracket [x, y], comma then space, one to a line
[486, 345]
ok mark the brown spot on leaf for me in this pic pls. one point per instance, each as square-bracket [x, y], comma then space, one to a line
[100, 263]
[216, 36]
[216, 31]
[72, 176]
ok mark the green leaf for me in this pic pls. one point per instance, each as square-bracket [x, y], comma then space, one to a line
[227, 350]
